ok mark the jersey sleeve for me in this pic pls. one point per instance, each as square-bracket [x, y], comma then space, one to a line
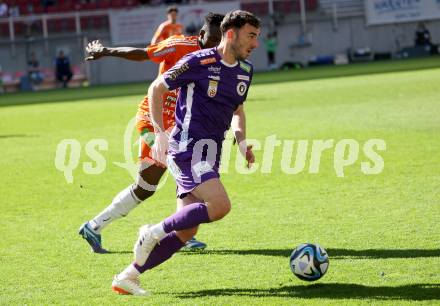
[161, 51]
[185, 71]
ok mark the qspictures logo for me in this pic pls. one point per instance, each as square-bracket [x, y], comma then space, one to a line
[291, 156]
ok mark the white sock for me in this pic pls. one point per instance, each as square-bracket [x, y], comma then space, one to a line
[121, 205]
[157, 231]
[130, 272]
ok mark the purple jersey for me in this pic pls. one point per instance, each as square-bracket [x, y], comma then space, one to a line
[210, 92]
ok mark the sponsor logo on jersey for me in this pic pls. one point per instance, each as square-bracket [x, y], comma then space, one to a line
[204, 53]
[164, 51]
[212, 88]
[214, 77]
[241, 88]
[243, 77]
[170, 102]
[214, 69]
[207, 61]
[173, 75]
[245, 67]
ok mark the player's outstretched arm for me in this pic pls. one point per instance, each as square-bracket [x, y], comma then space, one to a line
[238, 126]
[155, 94]
[96, 50]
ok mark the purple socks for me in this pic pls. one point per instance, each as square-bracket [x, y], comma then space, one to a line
[188, 217]
[161, 252]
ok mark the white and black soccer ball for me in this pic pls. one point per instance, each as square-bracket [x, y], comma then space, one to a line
[309, 262]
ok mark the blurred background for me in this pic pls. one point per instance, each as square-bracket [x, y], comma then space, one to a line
[37, 36]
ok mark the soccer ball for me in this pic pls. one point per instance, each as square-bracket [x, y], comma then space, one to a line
[309, 262]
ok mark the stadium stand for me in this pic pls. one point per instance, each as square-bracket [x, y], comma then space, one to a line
[280, 7]
[59, 20]
[60, 6]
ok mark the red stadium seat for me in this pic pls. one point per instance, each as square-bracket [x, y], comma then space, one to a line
[58, 25]
[19, 28]
[131, 3]
[89, 6]
[53, 9]
[70, 24]
[36, 2]
[311, 5]
[104, 4]
[258, 8]
[38, 9]
[4, 29]
[23, 8]
[117, 3]
[67, 7]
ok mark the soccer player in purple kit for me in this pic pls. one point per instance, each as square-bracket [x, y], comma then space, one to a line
[213, 86]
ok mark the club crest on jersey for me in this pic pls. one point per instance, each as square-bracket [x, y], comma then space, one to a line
[241, 88]
[207, 61]
[212, 88]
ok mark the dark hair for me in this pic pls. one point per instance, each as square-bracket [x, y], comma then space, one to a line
[237, 19]
[172, 9]
[213, 19]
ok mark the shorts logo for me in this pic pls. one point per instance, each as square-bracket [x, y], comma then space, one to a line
[207, 61]
[241, 88]
[212, 88]
[173, 75]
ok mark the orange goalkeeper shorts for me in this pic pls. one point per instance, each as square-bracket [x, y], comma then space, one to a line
[145, 128]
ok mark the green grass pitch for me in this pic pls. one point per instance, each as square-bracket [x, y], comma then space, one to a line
[382, 231]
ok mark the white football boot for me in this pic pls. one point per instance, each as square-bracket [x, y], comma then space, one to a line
[144, 245]
[128, 286]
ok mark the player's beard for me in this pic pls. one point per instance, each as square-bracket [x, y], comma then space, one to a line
[236, 47]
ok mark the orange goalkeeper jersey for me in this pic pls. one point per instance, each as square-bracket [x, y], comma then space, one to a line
[168, 52]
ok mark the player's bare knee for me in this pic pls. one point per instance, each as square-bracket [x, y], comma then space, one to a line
[218, 209]
[226, 207]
